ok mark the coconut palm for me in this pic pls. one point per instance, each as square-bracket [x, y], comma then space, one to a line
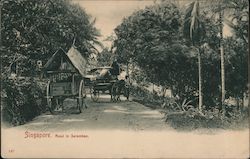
[223, 90]
[234, 9]
[218, 7]
[194, 31]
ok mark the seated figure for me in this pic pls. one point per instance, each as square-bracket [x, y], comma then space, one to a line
[115, 71]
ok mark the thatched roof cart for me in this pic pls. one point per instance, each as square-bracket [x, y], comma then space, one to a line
[66, 73]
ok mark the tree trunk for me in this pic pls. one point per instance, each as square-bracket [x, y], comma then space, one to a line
[238, 103]
[242, 102]
[128, 72]
[1, 4]
[200, 79]
[222, 64]
[248, 85]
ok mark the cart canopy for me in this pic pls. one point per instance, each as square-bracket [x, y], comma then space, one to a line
[71, 61]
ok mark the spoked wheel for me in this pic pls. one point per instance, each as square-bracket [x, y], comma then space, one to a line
[114, 92]
[50, 100]
[81, 97]
[94, 94]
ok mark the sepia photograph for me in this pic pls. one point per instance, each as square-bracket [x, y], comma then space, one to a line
[124, 78]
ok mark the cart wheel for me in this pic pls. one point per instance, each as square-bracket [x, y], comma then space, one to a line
[94, 94]
[114, 92]
[50, 99]
[81, 97]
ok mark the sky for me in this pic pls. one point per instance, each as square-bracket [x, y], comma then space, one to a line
[109, 14]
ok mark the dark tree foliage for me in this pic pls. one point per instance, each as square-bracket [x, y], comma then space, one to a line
[24, 100]
[236, 67]
[33, 30]
[145, 29]
[105, 57]
[152, 39]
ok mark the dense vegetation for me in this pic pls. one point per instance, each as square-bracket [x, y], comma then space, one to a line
[32, 31]
[157, 41]
[105, 57]
[22, 101]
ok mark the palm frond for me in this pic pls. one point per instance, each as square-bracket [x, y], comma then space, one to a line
[193, 27]
[194, 19]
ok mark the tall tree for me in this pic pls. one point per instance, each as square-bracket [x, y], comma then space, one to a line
[153, 39]
[194, 30]
[223, 91]
[34, 30]
[234, 9]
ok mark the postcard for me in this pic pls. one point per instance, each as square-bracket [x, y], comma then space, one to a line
[124, 79]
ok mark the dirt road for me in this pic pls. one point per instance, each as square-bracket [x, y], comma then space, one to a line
[125, 129]
[101, 115]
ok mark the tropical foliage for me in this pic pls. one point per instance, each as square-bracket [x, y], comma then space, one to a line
[34, 30]
[31, 31]
[105, 57]
[159, 40]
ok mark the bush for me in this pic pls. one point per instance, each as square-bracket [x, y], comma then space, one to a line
[211, 118]
[22, 100]
[145, 97]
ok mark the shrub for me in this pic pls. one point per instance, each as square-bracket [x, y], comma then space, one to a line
[145, 97]
[22, 100]
[211, 118]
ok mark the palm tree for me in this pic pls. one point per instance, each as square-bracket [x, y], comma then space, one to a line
[219, 7]
[194, 31]
[223, 90]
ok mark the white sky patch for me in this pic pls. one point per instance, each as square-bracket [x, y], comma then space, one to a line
[227, 31]
[109, 14]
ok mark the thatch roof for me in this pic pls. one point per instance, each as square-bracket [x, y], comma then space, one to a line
[73, 56]
[77, 60]
[54, 62]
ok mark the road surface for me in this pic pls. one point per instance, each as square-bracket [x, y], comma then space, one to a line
[101, 115]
